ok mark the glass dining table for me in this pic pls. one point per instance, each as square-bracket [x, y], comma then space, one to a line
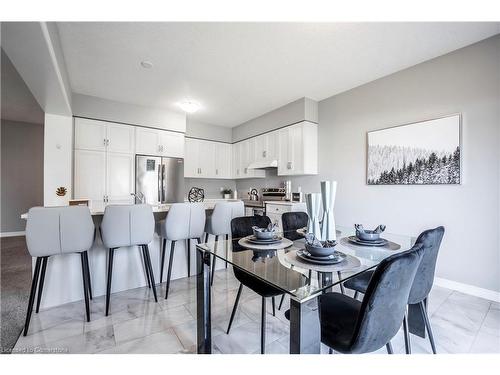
[299, 279]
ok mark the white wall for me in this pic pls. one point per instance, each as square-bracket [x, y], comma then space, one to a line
[58, 158]
[103, 109]
[202, 130]
[465, 81]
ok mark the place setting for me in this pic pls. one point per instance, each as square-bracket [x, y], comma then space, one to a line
[265, 239]
[372, 238]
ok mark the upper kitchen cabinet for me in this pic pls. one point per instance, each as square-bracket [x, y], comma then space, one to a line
[298, 149]
[266, 149]
[159, 142]
[207, 159]
[103, 136]
[246, 156]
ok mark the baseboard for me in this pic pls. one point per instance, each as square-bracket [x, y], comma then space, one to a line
[468, 289]
[12, 234]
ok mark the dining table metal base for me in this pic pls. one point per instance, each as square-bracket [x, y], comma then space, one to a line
[305, 335]
[203, 302]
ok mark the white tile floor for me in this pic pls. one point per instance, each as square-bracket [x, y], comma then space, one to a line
[461, 323]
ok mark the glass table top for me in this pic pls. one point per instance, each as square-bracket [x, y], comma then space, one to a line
[302, 280]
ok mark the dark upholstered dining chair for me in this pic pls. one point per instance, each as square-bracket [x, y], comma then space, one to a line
[351, 326]
[241, 227]
[291, 222]
[422, 285]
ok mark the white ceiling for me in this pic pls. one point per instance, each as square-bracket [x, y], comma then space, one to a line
[238, 71]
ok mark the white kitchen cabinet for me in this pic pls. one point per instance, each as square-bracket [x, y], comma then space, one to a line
[98, 135]
[298, 149]
[159, 142]
[90, 134]
[90, 175]
[247, 152]
[120, 177]
[120, 138]
[236, 162]
[266, 147]
[172, 144]
[207, 159]
[223, 158]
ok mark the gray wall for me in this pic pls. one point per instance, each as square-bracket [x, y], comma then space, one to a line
[212, 187]
[466, 81]
[299, 110]
[21, 172]
[197, 129]
[103, 109]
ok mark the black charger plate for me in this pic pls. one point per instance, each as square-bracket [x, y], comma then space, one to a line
[304, 255]
[357, 241]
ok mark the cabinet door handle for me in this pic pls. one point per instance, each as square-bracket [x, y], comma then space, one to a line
[104, 142]
[246, 170]
[216, 171]
[264, 153]
[289, 165]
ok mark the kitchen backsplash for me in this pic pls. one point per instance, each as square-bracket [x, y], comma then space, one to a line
[211, 187]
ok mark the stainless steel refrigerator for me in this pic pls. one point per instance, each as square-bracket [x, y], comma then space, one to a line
[159, 180]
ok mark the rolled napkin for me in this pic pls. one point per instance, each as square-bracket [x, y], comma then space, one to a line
[379, 229]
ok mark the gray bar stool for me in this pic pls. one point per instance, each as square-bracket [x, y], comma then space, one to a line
[55, 231]
[124, 226]
[184, 221]
[219, 223]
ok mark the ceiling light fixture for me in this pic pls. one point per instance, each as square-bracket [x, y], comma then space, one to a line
[189, 106]
[146, 64]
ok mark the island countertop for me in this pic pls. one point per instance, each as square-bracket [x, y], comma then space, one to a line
[97, 210]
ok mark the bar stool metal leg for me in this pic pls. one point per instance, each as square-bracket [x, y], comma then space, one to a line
[85, 287]
[150, 268]
[86, 255]
[162, 262]
[189, 256]
[146, 268]
[227, 246]
[172, 248]
[40, 284]
[34, 284]
[274, 305]
[110, 273]
[213, 263]
[339, 274]
[388, 346]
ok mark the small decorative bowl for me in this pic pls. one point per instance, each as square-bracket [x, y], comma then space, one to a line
[263, 235]
[368, 235]
[319, 251]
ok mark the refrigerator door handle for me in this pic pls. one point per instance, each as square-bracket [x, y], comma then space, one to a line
[159, 183]
[163, 192]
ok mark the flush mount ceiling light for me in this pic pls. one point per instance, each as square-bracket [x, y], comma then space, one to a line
[189, 106]
[146, 64]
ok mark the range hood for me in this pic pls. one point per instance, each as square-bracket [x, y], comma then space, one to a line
[266, 164]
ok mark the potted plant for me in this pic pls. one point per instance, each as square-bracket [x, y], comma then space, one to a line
[226, 193]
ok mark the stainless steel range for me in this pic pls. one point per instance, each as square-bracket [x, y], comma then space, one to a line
[258, 207]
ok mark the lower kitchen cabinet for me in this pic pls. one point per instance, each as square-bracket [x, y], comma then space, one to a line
[275, 210]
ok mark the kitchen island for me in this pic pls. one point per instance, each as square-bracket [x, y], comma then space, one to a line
[63, 279]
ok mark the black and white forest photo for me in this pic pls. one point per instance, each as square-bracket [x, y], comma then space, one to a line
[422, 153]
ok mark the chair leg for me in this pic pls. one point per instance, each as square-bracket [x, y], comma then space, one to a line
[342, 290]
[213, 263]
[85, 287]
[356, 293]
[169, 273]
[110, 275]
[407, 334]
[198, 240]
[206, 237]
[330, 351]
[227, 246]
[189, 256]
[281, 302]
[428, 326]
[263, 327]
[40, 283]
[234, 308]
[146, 268]
[388, 346]
[274, 305]
[86, 255]
[162, 262]
[34, 284]
[150, 268]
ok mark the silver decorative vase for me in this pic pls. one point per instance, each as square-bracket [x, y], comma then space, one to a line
[313, 205]
[328, 192]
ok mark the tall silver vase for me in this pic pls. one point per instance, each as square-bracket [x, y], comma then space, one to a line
[313, 205]
[328, 192]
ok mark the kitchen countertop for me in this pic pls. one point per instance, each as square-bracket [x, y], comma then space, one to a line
[99, 210]
[286, 203]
